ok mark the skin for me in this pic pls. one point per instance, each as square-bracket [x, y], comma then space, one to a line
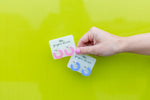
[102, 43]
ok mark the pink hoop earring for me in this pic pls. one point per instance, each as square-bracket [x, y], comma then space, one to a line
[69, 54]
[58, 57]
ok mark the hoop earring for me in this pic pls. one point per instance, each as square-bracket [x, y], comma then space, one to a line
[58, 57]
[87, 73]
[76, 68]
[69, 54]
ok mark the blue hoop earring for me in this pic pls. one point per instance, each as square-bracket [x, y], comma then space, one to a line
[87, 73]
[76, 68]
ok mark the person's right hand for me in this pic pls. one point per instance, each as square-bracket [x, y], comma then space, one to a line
[99, 43]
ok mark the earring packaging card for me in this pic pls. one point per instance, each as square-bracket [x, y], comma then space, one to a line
[62, 47]
[82, 64]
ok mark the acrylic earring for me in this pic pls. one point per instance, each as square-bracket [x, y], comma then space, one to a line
[75, 69]
[58, 57]
[87, 73]
[69, 54]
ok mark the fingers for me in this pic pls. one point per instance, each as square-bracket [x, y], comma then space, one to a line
[84, 39]
[82, 47]
[96, 42]
[88, 37]
[87, 50]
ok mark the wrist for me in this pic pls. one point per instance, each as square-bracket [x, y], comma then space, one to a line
[122, 44]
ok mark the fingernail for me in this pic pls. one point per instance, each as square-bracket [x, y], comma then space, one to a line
[77, 51]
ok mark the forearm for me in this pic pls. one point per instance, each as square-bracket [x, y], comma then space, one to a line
[139, 44]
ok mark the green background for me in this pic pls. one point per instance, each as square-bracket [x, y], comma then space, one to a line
[28, 70]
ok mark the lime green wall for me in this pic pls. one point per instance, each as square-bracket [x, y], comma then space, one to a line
[28, 70]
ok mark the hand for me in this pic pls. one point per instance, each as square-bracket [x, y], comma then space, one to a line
[99, 43]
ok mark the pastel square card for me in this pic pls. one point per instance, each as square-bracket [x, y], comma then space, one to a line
[82, 64]
[62, 47]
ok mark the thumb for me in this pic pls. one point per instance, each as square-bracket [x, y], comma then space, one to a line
[86, 50]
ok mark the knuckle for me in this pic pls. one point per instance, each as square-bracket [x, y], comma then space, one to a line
[92, 30]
